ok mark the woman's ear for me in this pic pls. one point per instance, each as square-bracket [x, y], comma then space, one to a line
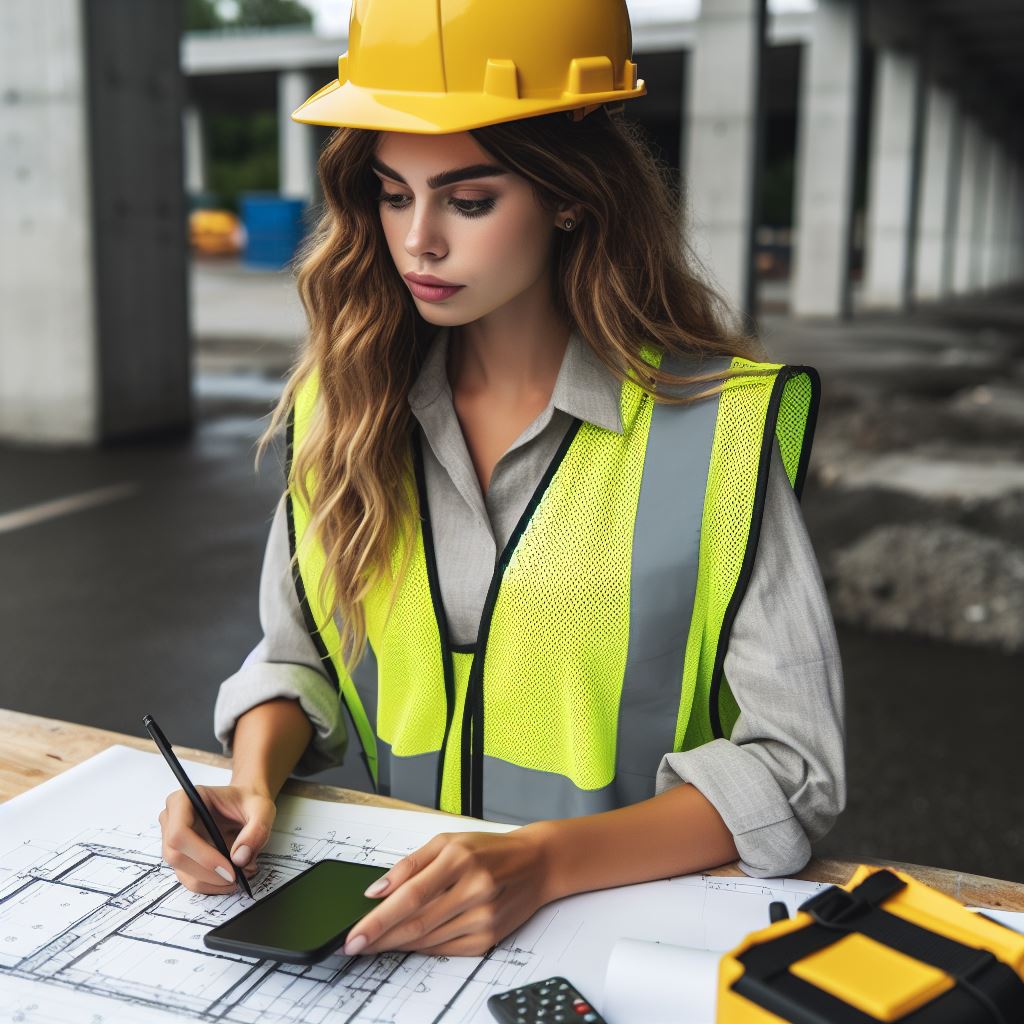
[569, 213]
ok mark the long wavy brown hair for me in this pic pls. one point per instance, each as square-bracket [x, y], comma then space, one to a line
[625, 278]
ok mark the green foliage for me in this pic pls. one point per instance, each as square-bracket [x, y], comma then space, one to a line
[201, 16]
[205, 15]
[259, 13]
[242, 155]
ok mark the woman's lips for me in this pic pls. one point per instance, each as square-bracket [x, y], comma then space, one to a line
[432, 292]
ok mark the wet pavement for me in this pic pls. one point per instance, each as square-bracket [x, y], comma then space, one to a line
[147, 599]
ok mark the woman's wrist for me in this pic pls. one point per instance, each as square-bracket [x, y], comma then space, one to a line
[674, 833]
[254, 783]
[549, 839]
[268, 742]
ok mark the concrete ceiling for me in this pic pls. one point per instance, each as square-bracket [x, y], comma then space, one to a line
[988, 36]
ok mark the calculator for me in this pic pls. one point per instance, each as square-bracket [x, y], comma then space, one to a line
[543, 1002]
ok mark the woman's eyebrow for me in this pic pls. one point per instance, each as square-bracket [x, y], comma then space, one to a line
[445, 177]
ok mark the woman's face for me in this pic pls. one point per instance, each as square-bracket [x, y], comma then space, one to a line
[485, 231]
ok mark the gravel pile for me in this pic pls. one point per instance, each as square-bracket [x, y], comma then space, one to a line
[935, 579]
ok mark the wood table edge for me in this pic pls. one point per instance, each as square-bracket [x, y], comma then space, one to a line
[35, 749]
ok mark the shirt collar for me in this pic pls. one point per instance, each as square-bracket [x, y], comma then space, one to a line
[585, 387]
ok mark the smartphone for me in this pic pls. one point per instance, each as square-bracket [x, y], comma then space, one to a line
[306, 919]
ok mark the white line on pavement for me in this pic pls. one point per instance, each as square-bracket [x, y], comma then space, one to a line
[64, 506]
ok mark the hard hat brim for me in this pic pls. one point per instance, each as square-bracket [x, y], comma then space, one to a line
[347, 105]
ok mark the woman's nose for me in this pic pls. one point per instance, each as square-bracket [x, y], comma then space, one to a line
[424, 234]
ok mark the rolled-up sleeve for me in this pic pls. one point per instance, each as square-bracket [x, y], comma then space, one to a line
[779, 782]
[284, 663]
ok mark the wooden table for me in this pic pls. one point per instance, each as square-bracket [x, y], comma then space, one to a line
[34, 749]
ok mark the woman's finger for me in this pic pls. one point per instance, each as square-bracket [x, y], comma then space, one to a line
[404, 902]
[408, 866]
[185, 850]
[475, 923]
[413, 930]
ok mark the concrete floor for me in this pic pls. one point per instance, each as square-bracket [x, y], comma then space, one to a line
[146, 602]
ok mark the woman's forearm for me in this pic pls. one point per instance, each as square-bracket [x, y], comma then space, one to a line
[677, 832]
[269, 740]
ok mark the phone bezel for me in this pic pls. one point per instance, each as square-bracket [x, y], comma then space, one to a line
[213, 940]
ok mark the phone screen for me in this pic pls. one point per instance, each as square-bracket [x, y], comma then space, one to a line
[304, 916]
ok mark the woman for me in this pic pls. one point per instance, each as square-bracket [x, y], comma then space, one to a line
[541, 534]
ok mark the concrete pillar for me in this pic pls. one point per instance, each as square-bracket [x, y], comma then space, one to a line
[195, 150]
[93, 292]
[826, 157]
[892, 161]
[1014, 214]
[937, 210]
[297, 168]
[995, 211]
[723, 149]
[1014, 226]
[970, 157]
[981, 216]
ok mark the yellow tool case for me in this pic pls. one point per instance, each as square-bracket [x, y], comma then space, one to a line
[884, 947]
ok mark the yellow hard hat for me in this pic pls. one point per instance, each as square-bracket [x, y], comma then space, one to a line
[437, 66]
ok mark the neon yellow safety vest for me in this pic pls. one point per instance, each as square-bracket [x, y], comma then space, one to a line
[607, 620]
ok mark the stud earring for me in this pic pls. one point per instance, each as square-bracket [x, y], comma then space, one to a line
[569, 224]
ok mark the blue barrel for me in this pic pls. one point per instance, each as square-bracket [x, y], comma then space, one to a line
[274, 228]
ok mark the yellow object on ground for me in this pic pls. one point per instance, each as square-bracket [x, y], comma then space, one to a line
[884, 947]
[215, 232]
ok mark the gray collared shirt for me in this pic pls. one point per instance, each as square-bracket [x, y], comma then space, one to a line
[778, 782]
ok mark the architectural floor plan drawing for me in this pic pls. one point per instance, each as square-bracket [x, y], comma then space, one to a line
[96, 929]
[102, 915]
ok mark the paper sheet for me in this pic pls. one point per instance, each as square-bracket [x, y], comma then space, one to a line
[95, 928]
[661, 984]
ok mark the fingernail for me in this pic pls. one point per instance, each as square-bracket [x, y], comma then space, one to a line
[376, 888]
[354, 945]
[241, 856]
[224, 873]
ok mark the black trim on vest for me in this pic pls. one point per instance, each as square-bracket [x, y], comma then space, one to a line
[307, 613]
[760, 490]
[435, 599]
[473, 712]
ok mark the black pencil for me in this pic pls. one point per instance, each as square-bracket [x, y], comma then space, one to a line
[192, 793]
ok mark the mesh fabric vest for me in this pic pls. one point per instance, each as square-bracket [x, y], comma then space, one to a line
[605, 627]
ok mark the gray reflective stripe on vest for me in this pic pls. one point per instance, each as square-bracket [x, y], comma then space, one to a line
[412, 778]
[364, 676]
[510, 789]
[666, 546]
[409, 778]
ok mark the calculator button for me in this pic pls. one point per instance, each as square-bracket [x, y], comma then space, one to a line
[590, 1017]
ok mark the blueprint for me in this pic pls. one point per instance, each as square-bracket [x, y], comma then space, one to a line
[95, 928]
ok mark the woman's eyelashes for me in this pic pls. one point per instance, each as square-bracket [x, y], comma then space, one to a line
[464, 207]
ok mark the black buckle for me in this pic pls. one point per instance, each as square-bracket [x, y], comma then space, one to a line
[837, 908]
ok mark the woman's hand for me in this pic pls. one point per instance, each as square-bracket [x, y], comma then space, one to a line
[456, 896]
[244, 816]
